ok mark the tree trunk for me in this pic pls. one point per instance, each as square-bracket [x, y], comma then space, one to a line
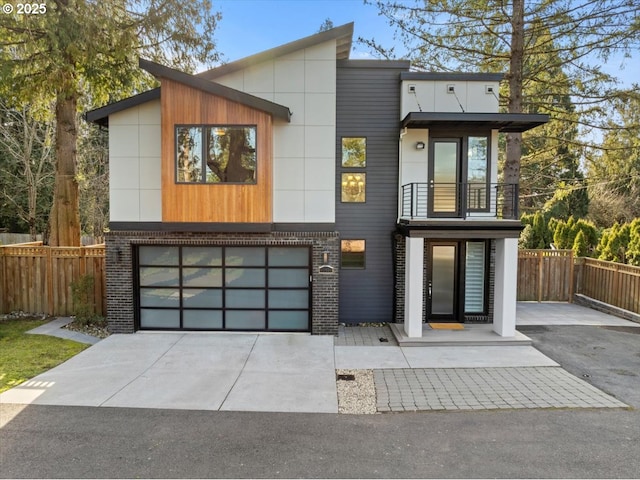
[65, 213]
[514, 140]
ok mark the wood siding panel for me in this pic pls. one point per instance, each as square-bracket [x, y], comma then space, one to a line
[213, 202]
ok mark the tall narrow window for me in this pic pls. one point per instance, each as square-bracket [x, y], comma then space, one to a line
[216, 154]
[478, 173]
[474, 281]
[189, 154]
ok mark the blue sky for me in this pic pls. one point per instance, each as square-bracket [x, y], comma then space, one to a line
[251, 26]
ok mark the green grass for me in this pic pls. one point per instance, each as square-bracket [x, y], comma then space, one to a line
[23, 356]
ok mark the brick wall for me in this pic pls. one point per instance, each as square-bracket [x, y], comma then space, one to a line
[120, 291]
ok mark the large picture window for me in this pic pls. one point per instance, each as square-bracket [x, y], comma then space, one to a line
[216, 154]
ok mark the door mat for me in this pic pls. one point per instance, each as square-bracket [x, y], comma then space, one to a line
[446, 326]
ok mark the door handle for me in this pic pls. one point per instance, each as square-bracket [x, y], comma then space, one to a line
[429, 289]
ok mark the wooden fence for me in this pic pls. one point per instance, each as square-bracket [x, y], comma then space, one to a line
[613, 283]
[545, 275]
[37, 279]
[555, 275]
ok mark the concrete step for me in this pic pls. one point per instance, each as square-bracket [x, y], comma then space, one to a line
[472, 335]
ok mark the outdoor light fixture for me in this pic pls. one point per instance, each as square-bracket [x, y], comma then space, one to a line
[420, 145]
[325, 257]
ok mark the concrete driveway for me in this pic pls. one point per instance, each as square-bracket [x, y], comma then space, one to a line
[271, 372]
[193, 371]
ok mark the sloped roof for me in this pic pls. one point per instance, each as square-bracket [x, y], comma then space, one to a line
[100, 115]
[203, 81]
[160, 71]
[342, 34]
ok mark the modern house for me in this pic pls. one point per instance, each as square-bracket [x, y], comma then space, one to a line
[296, 189]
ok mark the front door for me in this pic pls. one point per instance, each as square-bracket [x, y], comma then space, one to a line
[444, 179]
[442, 281]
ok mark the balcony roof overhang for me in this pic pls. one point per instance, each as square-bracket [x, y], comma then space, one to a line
[503, 122]
[459, 228]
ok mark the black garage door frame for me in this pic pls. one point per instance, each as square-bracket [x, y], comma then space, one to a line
[177, 286]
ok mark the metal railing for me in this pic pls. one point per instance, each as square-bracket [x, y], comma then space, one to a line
[460, 200]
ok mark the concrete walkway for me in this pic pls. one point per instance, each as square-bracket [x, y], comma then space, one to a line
[54, 329]
[296, 372]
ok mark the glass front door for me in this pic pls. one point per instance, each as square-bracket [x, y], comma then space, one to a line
[442, 281]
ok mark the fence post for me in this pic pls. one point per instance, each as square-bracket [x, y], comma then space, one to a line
[3, 281]
[540, 258]
[50, 302]
[571, 270]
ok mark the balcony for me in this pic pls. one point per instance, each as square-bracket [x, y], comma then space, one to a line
[478, 201]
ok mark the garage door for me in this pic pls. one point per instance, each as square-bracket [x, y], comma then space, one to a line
[223, 288]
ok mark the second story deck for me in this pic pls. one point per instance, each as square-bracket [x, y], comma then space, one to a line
[423, 201]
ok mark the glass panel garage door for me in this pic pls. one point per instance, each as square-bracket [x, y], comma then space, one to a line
[223, 288]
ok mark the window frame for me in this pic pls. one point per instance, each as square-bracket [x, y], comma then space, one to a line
[342, 164]
[204, 147]
[364, 254]
[364, 190]
[437, 134]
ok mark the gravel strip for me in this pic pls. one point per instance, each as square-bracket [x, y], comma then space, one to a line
[93, 330]
[356, 396]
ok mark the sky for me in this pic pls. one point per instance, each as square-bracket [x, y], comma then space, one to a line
[251, 26]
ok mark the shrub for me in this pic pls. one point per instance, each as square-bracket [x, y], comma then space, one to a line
[83, 300]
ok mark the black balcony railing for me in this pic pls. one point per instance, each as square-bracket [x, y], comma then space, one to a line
[460, 200]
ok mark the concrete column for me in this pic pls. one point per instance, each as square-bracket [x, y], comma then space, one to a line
[413, 286]
[506, 288]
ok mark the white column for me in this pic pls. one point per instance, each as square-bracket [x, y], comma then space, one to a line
[413, 286]
[505, 290]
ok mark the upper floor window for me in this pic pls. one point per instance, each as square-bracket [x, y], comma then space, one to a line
[216, 154]
[354, 152]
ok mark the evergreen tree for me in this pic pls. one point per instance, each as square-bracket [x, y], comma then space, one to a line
[580, 245]
[84, 52]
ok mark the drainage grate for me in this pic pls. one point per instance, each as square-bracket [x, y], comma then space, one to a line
[348, 377]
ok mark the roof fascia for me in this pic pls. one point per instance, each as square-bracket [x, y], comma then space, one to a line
[343, 33]
[504, 122]
[460, 76]
[100, 115]
[160, 71]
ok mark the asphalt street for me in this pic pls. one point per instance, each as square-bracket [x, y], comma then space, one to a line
[85, 442]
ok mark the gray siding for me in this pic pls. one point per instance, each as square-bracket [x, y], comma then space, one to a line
[368, 105]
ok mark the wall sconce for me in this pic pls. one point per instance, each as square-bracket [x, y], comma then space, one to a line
[420, 145]
[325, 267]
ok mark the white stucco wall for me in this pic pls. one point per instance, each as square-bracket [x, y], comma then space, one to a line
[432, 96]
[134, 164]
[304, 150]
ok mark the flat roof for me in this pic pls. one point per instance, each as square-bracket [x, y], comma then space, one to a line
[461, 76]
[503, 122]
